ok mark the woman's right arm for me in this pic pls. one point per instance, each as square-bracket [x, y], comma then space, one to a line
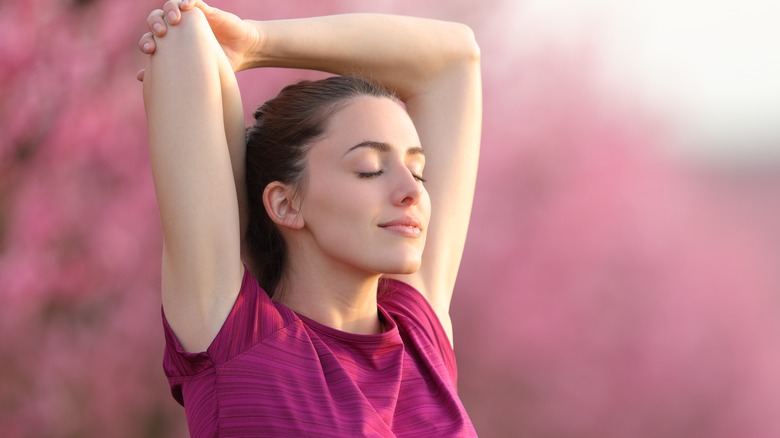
[196, 137]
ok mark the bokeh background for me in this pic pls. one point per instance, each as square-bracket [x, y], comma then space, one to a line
[621, 277]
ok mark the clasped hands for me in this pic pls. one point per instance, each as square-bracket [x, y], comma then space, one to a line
[238, 38]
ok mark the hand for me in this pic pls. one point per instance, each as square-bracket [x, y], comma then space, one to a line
[238, 38]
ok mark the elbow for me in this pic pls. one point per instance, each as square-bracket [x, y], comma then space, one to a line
[472, 47]
[191, 34]
[186, 49]
[468, 50]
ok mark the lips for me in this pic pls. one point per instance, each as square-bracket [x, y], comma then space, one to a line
[405, 226]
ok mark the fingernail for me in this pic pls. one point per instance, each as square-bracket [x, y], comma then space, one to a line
[171, 15]
[157, 27]
[147, 46]
[183, 3]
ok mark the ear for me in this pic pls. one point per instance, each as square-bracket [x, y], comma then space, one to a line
[280, 203]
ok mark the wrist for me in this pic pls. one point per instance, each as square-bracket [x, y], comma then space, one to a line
[256, 46]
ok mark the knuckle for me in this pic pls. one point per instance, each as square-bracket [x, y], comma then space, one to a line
[171, 11]
[154, 16]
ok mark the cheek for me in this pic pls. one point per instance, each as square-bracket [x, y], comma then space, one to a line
[340, 222]
[337, 204]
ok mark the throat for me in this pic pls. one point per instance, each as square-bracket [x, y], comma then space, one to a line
[352, 311]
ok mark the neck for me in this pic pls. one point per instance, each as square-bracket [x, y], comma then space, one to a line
[334, 295]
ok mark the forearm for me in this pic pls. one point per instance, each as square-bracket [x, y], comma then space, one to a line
[404, 53]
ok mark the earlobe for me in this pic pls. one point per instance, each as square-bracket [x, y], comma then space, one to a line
[279, 202]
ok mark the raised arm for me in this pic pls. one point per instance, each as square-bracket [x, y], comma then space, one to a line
[194, 114]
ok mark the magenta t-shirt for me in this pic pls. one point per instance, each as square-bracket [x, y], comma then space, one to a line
[271, 372]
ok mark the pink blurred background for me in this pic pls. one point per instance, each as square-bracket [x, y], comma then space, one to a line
[621, 275]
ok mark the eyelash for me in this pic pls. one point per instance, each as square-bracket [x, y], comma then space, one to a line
[368, 175]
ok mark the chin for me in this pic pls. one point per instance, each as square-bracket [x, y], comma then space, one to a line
[391, 263]
[404, 267]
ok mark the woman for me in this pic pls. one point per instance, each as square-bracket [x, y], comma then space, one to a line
[336, 322]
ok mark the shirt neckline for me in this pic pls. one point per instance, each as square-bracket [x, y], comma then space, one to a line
[390, 333]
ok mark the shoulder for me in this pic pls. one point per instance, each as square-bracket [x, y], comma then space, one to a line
[252, 318]
[397, 296]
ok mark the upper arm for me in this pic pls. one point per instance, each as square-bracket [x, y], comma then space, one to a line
[447, 112]
[194, 180]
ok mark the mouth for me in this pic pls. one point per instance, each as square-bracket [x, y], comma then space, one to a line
[407, 227]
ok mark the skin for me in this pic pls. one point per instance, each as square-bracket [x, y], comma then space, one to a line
[197, 150]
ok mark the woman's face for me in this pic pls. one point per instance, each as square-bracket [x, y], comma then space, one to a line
[364, 202]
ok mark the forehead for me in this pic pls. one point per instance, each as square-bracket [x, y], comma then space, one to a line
[371, 119]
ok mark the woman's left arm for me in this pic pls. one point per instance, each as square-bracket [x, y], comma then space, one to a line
[447, 113]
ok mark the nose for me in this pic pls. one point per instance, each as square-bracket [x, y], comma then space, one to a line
[408, 190]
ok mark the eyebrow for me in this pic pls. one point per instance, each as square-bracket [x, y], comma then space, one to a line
[384, 147]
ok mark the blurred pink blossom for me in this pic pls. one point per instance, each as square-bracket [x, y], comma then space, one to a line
[606, 290]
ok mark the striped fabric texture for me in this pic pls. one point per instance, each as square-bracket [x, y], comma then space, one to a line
[273, 373]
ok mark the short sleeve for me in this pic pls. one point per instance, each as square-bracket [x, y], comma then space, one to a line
[252, 318]
[404, 300]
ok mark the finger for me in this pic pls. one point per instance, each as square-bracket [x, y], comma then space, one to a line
[140, 75]
[156, 23]
[186, 5]
[147, 44]
[172, 12]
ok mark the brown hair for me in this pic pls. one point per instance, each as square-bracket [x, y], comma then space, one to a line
[276, 147]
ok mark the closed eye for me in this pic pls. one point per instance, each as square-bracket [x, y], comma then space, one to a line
[370, 174]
